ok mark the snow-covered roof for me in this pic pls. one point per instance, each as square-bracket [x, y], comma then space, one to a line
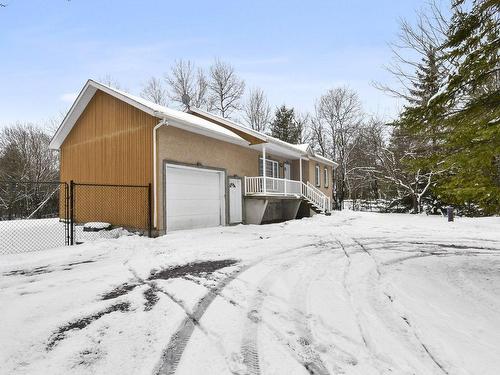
[196, 121]
[175, 118]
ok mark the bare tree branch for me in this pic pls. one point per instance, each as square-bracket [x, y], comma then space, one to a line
[225, 88]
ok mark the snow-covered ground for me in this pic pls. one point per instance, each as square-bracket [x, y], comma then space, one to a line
[354, 293]
[19, 236]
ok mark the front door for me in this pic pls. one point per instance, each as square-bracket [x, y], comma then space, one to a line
[235, 206]
[287, 171]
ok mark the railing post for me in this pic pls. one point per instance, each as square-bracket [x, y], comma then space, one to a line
[284, 188]
[264, 188]
[300, 169]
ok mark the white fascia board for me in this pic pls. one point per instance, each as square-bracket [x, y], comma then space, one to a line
[324, 160]
[81, 103]
[72, 116]
[279, 150]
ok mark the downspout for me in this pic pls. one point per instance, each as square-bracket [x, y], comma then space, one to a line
[155, 157]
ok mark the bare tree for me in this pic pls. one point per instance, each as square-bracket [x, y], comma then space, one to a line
[154, 91]
[25, 153]
[392, 166]
[319, 138]
[52, 124]
[181, 82]
[302, 122]
[415, 41]
[336, 125]
[225, 88]
[187, 85]
[199, 96]
[257, 112]
[110, 81]
[25, 156]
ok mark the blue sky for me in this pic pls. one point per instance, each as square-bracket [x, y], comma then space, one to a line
[294, 50]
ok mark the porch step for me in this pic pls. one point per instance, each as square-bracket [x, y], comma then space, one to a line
[316, 208]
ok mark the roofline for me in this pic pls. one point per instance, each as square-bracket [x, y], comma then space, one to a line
[81, 103]
[322, 159]
[228, 124]
[254, 137]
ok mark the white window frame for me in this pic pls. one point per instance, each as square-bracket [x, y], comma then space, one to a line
[317, 176]
[326, 177]
[275, 168]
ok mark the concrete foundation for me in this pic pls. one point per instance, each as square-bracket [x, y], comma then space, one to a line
[260, 210]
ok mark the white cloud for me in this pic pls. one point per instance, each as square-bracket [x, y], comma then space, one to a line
[68, 97]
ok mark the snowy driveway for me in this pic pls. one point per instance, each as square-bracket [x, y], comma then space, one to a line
[354, 293]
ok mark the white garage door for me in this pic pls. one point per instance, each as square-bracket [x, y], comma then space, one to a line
[195, 197]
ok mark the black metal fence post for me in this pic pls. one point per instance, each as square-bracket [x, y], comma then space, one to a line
[149, 212]
[66, 214]
[71, 212]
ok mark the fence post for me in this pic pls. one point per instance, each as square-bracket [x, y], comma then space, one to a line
[149, 211]
[66, 213]
[71, 212]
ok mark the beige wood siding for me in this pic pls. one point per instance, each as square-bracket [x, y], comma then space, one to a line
[111, 143]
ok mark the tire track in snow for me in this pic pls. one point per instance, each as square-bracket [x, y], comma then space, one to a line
[314, 363]
[425, 348]
[249, 346]
[171, 356]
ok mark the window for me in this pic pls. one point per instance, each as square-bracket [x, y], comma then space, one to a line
[272, 168]
[317, 176]
[325, 178]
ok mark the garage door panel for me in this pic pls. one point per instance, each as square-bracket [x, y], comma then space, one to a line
[194, 198]
[185, 222]
[191, 176]
[179, 191]
[201, 207]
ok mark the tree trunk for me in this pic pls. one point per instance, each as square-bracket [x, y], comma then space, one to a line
[415, 204]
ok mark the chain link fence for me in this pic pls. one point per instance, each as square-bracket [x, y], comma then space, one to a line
[37, 216]
[33, 216]
[109, 211]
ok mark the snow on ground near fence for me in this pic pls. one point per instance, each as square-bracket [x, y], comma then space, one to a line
[17, 236]
[354, 293]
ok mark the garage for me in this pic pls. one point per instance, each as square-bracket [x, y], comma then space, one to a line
[194, 197]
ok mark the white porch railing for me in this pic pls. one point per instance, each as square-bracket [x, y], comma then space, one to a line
[291, 188]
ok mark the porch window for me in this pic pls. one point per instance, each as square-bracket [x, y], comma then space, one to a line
[272, 168]
[325, 177]
[317, 176]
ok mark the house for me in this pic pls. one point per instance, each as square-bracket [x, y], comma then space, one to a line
[204, 170]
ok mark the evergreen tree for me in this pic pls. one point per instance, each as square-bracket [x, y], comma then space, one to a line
[285, 125]
[415, 138]
[470, 142]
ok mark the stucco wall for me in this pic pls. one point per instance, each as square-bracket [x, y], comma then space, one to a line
[180, 146]
[327, 190]
[177, 145]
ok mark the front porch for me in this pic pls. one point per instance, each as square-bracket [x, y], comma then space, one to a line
[270, 187]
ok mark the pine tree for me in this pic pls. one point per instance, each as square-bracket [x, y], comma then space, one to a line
[471, 138]
[285, 125]
[415, 139]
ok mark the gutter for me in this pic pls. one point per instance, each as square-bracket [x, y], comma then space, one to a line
[163, 122]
